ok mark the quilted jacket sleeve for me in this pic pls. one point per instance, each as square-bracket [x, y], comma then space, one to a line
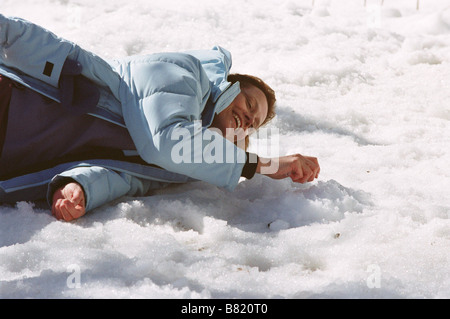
[102, 185]
[168, 95]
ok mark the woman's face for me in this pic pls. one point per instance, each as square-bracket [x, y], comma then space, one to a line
[248, 111]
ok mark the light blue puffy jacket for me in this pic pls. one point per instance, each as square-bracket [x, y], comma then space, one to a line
[151, 95]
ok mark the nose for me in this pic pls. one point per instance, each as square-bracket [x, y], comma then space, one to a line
[249, 120]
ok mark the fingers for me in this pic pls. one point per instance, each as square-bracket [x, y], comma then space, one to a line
[306, 176]
[64, 209]
[60, 211]
[314, 165]
[308, 169]
[69, 203]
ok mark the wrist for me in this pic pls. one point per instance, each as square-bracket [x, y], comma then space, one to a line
[250, 166]
[262, 163]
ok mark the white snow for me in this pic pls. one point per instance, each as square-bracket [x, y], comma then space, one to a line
[364, 88]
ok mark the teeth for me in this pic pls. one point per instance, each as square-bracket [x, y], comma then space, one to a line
[238, 121]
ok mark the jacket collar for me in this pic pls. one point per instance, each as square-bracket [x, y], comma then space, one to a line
[223, 101]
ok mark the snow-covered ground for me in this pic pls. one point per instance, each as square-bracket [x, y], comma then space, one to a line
[366, 89]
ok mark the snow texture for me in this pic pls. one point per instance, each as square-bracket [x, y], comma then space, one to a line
[365, 88]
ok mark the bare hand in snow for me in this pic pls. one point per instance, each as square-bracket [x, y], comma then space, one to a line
[301, 169]
[69, 202]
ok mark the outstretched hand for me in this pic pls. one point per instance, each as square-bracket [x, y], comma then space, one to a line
[69, 202]
[301, 169]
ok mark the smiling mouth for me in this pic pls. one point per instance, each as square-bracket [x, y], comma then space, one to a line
[238, 121]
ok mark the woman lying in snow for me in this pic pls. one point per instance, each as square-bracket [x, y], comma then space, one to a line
[80, 132]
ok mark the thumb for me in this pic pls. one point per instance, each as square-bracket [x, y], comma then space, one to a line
[74, 193]
[77, 197]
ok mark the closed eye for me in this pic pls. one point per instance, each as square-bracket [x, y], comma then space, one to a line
[252, 106]
[249, 104]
